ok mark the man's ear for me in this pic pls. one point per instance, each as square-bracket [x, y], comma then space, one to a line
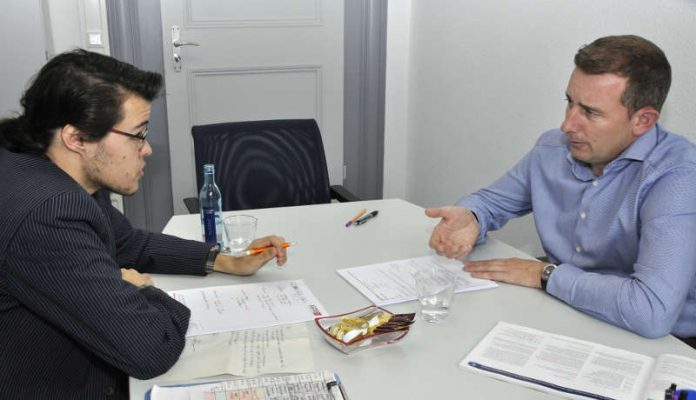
[644, 119]
[72, 138]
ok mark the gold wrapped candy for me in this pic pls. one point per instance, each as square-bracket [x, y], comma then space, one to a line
[349, 329]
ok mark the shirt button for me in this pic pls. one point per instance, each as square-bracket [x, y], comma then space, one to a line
[109, 391]
[578, 249]
[583, 215]
[595, 183]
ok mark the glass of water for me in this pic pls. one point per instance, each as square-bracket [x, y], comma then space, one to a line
[435, 288]
[241, 231]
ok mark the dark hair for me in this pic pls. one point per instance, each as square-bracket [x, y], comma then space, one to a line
[640, 60]
[80, 88]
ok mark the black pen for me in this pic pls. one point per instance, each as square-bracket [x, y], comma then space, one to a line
[367, 218]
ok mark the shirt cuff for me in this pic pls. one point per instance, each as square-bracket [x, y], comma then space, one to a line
[563, 278]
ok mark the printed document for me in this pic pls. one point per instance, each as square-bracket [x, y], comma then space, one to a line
[575, 368]
[312, 386]
[392, 282]
[252, 305]
[252, 352]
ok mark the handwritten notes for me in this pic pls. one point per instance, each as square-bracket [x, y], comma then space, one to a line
[253, 305]
[278, 349]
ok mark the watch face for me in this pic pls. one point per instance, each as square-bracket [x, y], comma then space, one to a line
[546, 273]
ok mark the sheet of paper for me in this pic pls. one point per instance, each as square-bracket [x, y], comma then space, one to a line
[311, 386]
[392, 282]
[252, 352]
[552, 362]
[253, 305]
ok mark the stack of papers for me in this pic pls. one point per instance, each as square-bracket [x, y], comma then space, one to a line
[313, 386]
[393, 282]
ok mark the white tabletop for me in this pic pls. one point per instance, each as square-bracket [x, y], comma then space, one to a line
[424, 365]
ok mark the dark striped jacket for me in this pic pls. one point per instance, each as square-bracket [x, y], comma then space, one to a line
[70, 327]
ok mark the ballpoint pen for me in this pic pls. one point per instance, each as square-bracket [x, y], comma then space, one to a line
[367, 218]
[358, 215]
[259, 250]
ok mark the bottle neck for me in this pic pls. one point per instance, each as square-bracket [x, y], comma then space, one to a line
[209, 178]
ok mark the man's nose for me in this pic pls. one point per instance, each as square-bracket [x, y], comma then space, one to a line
[147, 149]
[570, 122]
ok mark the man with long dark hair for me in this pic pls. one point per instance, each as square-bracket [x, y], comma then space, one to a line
[78, 312]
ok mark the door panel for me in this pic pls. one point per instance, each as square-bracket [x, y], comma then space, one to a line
[290, 92]
[262, 12]
[256, 59]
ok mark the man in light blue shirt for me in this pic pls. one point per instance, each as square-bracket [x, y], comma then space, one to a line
[613, 196]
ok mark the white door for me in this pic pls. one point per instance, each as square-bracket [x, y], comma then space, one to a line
[256, 59]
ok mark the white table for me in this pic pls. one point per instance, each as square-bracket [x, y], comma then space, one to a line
[424, 365]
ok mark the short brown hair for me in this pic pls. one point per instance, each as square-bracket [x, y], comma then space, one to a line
[641, 61]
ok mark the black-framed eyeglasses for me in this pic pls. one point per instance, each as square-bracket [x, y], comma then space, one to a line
[140, 137]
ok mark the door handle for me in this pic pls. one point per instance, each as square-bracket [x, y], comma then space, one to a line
[176, 44]
[179, 44]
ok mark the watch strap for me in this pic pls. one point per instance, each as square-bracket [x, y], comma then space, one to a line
[210, 260]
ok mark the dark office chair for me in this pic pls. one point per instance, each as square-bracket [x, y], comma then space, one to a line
[263, 164]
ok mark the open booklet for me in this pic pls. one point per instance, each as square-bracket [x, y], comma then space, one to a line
[575, 368]
[320, 385]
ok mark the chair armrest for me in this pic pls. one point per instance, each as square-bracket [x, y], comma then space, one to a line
[192, 205]
[342, 194]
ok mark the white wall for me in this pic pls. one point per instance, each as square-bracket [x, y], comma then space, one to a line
[33, 30]
[396, 98]
[74, 22]
[480, 80]
[21, 54]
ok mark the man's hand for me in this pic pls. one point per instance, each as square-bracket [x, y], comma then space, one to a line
[456, 233]
[248, 265]
[511, 270]
[136, 278]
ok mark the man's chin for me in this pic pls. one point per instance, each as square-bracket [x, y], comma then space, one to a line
[580, 155]
[124, 191]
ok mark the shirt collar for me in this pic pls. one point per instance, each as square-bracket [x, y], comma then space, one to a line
[640, 149]
[637, 151]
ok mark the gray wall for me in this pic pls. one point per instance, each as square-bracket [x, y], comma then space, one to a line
[365, 38]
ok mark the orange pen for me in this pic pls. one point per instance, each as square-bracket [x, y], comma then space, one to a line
[358, 215]
[259, 250]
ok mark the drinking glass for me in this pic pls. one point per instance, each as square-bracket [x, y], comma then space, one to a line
[435, 288]
[241, 231]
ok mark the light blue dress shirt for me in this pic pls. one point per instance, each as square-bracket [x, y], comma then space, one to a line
[624, 242]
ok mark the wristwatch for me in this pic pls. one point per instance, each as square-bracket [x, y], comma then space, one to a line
[546, 274]
[210, 261]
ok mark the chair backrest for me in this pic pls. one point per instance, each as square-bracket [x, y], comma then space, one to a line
[263, 164]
